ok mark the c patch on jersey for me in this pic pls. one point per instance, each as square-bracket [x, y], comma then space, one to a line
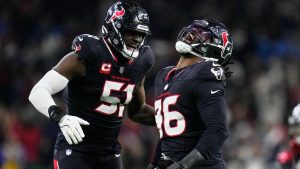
[218, 72]
[105, 68]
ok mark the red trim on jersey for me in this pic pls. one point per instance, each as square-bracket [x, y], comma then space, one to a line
[169, 74]
[55, 164]
[110, 51]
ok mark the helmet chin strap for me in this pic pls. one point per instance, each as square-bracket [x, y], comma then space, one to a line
[130, 54]
[184, 48]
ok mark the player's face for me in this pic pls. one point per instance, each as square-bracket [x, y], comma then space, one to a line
[196, 36]
[133, 39]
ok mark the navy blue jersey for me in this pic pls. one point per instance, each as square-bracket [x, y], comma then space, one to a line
[191, 111]
[101, 96]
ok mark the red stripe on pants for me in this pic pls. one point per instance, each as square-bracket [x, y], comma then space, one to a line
[55, 164]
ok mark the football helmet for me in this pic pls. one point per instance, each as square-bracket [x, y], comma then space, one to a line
[125, 16]
[208, 39]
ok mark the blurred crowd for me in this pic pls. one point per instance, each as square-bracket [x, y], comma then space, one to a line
[35, 34]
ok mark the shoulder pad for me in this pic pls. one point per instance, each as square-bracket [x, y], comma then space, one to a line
[83, 39]
[147, 54]
[83, 45]
[162, 74]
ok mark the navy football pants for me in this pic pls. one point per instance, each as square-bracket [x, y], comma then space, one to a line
[70, 159]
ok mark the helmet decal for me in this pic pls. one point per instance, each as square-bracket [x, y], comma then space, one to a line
[117, 13]
[227, 46]
[225, 38]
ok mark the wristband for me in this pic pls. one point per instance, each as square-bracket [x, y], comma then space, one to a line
[56, 113]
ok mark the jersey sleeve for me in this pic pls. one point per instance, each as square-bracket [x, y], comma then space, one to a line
[211, 106]
[81, 45]
[148, 54]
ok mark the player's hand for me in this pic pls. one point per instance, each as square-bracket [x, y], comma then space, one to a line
[296, 112]
[175, 165]
[71, 129]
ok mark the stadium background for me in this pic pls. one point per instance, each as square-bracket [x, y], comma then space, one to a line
[35, 34]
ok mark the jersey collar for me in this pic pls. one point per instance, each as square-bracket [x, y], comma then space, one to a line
[112, 53]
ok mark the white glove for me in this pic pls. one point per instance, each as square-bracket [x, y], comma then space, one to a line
[296, 112]
[71, 129]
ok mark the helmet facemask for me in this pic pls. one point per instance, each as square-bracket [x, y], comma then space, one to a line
[132, 41]
[193, 41]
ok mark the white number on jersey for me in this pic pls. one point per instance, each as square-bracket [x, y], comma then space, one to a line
[112, 103]
[164, 117]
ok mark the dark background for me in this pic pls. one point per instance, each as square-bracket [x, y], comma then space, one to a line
[35, 34]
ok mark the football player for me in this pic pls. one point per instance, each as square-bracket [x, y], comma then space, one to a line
[190, 99]
[101, 77]
[289, 158]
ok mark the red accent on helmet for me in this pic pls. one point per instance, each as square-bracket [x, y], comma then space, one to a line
[117, 14]
[225, 38]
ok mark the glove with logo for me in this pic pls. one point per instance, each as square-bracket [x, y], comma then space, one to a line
[69, 125]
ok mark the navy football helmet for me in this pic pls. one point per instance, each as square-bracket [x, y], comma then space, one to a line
[208, 39]
[125, 16]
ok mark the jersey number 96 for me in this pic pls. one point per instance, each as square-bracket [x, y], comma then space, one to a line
[170, 123]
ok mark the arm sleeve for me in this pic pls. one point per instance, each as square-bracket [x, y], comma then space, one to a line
[212, 108]
[40, 95]
[148, 54]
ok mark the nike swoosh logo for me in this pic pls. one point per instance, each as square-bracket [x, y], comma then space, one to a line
[213, 92]
[215, 64]
[117, 155]
[80, 39]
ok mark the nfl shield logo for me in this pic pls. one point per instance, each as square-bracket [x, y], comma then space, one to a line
[122, 70]
[68, 152]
